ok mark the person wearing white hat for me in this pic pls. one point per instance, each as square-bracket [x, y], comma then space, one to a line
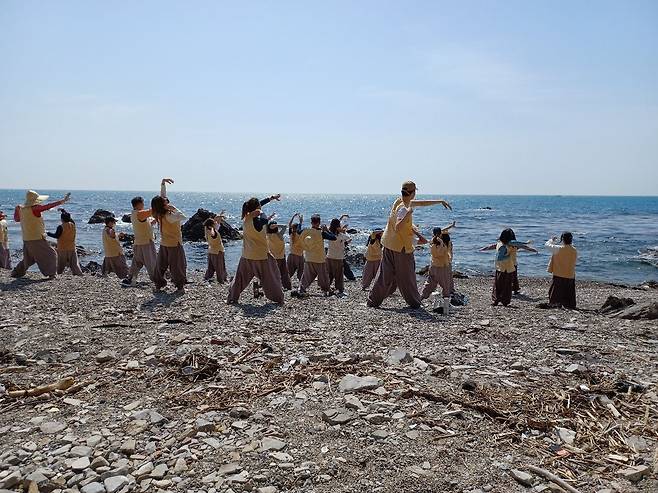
[5, 259]
[36, 248]
[397, 269]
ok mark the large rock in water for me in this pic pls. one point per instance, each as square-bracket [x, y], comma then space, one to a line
[193, 227]
[99, 216]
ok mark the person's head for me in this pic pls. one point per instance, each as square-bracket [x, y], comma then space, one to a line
[272, 227]
[110, 222]
[292, 230]
[566, 238]
[506, 236]
[2, 215]
[137, 203]
[408, 190]
[512, 233]
[158, 207]
[334, 225]
[315, 220]
[446, 238]
[250, 206]
[209, 223]
[65, 217]
[376, 235]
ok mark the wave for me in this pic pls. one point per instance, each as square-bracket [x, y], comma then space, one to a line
[647, 256]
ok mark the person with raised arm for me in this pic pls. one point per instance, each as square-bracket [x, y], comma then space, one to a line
[5, 257]
[563, 267]
[440, 271]
[295, 260]
[256, 260]
[277, 246]
[115, 260]
[336, 254]
[516, 288]
[373, 258]
[216, 260]
[398, 266]
[144, 253]
[171, 254]
[36, 248]
[67, 255]
[315, 258]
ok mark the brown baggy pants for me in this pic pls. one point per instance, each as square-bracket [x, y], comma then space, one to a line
[336, 275]
[37, 252]
[438, 276]
[515, 279]
[295, 265]
[68, 258]
[313, 270]
[143, 256]
[117, 264]
[502, 288]
[265, 270]
[283, 271]
[369, 273]
[5, 258]
[216, 266]
[562, 292]
[172, 258]
[396, 271]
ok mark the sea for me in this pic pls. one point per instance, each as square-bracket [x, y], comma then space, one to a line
[617, 237]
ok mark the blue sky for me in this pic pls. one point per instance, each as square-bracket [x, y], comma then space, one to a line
[463, 97]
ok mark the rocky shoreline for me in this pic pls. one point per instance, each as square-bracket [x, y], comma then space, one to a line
[164, 393]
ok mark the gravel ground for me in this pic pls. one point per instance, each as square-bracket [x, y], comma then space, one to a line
[185, 393]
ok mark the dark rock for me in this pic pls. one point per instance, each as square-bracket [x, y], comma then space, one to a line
[126, 218]
[93, 268]
[193, 227]
[355, 259]
[99, 216]
[458, 299]
[613, 304]
[459, 275]
[352, 231]
[347, 271]
[81, 251]
[641, 311]
[423, 270]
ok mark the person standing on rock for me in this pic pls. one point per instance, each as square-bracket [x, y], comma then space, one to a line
[115, 260]
[295, 260]
[563, 267]
[36, 248]
[373, 258]
[315, 262]
[256, 260]
[65, 234]
[397, 269]
[5, 257]
[277, 247]
[171, 254]
[144, 253]
[216, 260]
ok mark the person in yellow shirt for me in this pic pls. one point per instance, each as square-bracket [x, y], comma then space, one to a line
[5, 258]
[36, 248]
[144, 253]
[67, 256]
[171, 254]
[256, 260]
[216, 260]
[398, 265]
[295, 260]
[563, 267]
[277, 247]
[115, 260]
[440, 272]
[315, 265]
[373, 258]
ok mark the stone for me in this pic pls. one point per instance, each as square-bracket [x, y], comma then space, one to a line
[566, 351]
[72, 402]
[52, 427]
[377, 418]
[522, 477]
[213, 442]
[635, 473]
[193, 229]
[268, 489]
[268, 443]
[93, 487]
[239, 412]
[204, 425]
[99, 462]
[417, 471]
[281, 456]
[180, 465]
[399, 356]
[37, 477]
[352, 402]
[81, 451]
[144, 470]
[380, 434]
[94, 441]
[337, 416]
[149, 414]
[636, 443]
[80, 464]
[115, 483]
[128, 447]
[99, 216]
[238, 478]
[105, 356]
[228, 469]
[68, 357]
[159, 471]
[565, 435]
[353, 383]
[575, 368]
[11, 480]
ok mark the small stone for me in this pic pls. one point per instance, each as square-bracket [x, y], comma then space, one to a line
[81, 451]
[99, 462]
[204, 425]
[268, 489]
[412, 435]
[635, 473]
[417, 471]
[353, 383]
[282, 456]
[238, 478]
[377, 418]
[231, 468]
[566, 351]
[128, 447]
[239, 412]
[105, 356]
[93, 487]
[37, 477]
[10, 481]
[132, 365]
[352, 402]
[144, 470]
[80, 464]
[94, 440]
[115, 483]
[30, 446]
[159, 471]
[268, 443]
[52, 427]
[565, 435]
[399, 356]
[73, 402]
[522, 477]
[380, 434]
[213, 442]
[575, 368]
[150, 350]
[132, 406]
[68, 357]
[337, 416]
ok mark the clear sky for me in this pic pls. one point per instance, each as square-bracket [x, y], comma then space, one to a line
[540, 97]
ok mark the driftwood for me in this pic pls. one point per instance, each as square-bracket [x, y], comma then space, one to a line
[13, 369]
[63, 384]
[552, 477]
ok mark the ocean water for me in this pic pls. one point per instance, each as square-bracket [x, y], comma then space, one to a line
[617, 237]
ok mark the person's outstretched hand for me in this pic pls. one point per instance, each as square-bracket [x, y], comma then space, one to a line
[167, 180]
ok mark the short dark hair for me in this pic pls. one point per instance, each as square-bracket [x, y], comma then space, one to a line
[109, 220]
[209, 223]
[137, 200]
[315, 218]
[506, 236]
[567, 238]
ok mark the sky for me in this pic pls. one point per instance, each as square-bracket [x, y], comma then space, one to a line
[473, 97]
